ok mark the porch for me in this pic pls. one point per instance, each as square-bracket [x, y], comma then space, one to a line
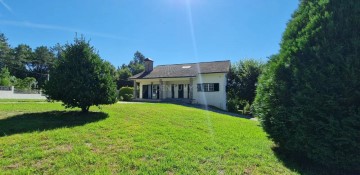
[164, 89]
[167, 100]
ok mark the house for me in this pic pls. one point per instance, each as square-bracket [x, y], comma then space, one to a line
[199, 83]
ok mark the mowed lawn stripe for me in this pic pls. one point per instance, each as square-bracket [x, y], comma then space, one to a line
[131, 139]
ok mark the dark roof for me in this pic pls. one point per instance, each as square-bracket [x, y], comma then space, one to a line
[148, 59]
[185, 70]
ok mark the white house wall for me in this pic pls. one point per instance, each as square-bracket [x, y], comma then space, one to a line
[217, 98]
[166, 89]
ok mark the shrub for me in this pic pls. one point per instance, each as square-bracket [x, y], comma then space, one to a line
[5, 77]
[232, 105]
[239, 106]
[126, 93]
[26, 83]
[242, 80]
[247, 109]
[308, 97]
[81, 78]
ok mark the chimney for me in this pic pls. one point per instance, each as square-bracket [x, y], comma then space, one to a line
[148, 64]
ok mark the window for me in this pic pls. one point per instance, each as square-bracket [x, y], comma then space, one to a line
[208, 87]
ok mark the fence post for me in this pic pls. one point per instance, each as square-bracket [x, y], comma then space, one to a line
[12, 89]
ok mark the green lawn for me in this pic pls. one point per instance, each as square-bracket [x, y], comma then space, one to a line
[131, 139]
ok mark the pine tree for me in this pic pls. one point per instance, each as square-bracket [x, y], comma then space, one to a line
[5, 51]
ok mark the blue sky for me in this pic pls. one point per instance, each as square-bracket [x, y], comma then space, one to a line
[168, 31]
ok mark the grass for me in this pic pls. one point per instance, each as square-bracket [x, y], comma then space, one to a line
[43, 138]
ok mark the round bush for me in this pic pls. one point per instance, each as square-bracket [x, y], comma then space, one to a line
[308, 98]
[126, 93]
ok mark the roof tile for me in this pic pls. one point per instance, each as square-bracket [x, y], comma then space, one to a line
[185, 70]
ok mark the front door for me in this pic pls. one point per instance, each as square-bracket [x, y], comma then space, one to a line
[155, 91]
[145, 92]
[181, 91]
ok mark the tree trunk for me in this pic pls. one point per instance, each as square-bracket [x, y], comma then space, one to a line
[85, 109]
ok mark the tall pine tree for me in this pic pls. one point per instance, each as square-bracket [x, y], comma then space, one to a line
[5, 51]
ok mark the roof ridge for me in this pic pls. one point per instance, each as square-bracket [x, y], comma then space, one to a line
[194, 63]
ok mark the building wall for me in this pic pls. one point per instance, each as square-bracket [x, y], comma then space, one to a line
[147, 82]
[166, 88]
[218, 98]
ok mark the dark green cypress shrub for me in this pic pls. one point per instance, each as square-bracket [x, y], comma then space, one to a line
[308, 98]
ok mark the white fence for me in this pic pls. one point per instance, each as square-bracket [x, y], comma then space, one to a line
[9, 92]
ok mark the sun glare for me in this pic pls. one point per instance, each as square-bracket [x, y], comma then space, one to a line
[183, 2]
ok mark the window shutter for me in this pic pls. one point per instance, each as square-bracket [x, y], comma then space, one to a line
[216, 86]
[198, 87]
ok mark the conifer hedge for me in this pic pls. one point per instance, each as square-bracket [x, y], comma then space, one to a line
[308, 98]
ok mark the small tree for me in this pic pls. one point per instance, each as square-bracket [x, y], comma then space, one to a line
[5, 51]
[242, 81]
[4, 77]
[137, 64]
[123, 74]
[42, 62]
[81, 78]
[122, 77]
[23, 55]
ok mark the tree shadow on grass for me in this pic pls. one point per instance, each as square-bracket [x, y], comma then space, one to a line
[303, 165]
[30, 122]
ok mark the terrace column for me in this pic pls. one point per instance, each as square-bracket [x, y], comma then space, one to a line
[161, 89]
[135, 89]
[191, 88]
[151, 91]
